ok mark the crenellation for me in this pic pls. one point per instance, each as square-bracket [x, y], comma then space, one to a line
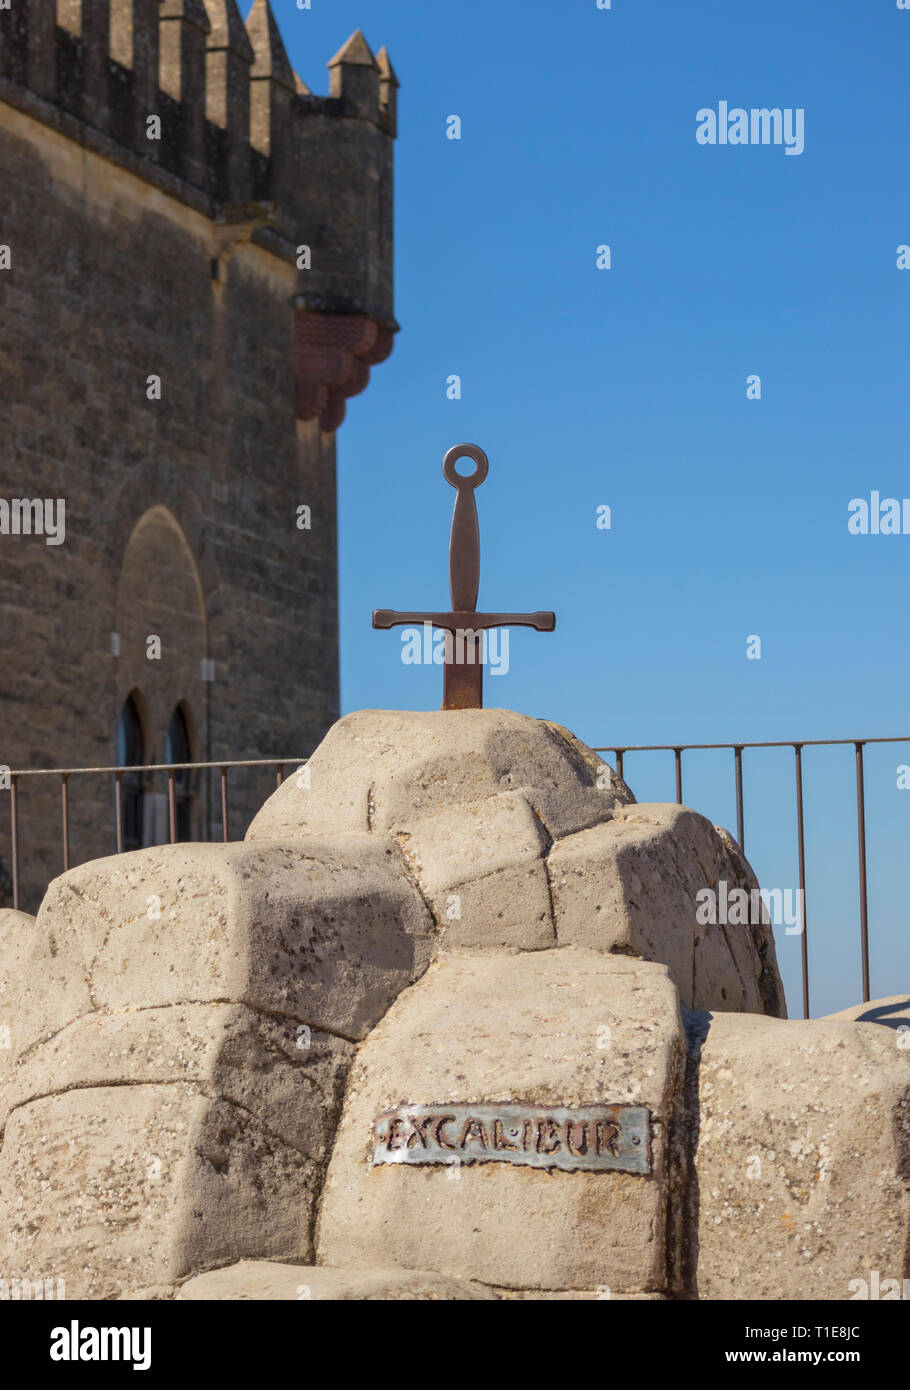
[272, 91]
[228, 61]
[236, 122]
[388, 92]
[96, 53]
[69, 16]
[69, 71]
[182, 36]
[41, 75]
[14, 42]
[119, 117]
[121, 19]
[354, 78]
[144, 61]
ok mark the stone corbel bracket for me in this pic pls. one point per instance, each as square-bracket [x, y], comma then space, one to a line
[236, 223]
[335, 345]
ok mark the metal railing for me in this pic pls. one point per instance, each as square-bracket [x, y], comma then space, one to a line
[797, 745]
[117, 774]
[279, 764]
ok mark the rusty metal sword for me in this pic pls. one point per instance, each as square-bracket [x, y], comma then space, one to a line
[464, 626]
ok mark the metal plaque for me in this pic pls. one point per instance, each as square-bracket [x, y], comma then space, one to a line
[584, 1138]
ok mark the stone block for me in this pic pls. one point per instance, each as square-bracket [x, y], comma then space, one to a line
[326, 933]
[509, 908]
[631, 885]
[565, 1027]
[125, 1186]
[40, 991]
[17, 942]
[481, 869]
[384, 770]
[799, 1171]
[289, 1078]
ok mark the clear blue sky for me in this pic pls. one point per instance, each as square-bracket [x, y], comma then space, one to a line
[628, 388]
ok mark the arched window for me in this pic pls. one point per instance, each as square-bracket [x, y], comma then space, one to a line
[177, 750]
[130, 752]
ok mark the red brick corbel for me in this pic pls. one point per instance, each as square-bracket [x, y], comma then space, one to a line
[333, 354]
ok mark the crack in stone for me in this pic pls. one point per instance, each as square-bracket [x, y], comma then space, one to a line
[199, 1087]
[411, 875]
[185, 1004]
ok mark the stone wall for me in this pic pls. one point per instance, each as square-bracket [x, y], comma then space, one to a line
[131, 259]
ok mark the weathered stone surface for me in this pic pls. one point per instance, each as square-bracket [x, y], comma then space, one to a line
[162, 1118]
[13, 926]
[746, 942]
[630, 884]
[799, 1171]
[261, 1279]
[385, 770]
[517, 838]
[17, 941]
[890, 1012]
[471, 797]
[508, 908]
[560, 1027]
[126, 1186]
[151, 1293]
[289, 1078]
[326, 933]
[604, 1294]
[154, 1128]
[189, 1009]
[481, 869]
[39, 991]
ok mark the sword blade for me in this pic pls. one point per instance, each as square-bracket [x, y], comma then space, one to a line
[462, 684]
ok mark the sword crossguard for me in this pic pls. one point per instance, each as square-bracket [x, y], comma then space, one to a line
[386, 618]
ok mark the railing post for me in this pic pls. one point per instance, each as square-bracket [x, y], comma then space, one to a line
[172, 806]
[147, 772]
[801, 847]
[619, 752]
[118, 809]
[677, 758]
[14, 835]
[224, 804]
[740, 819]
[861, 845]
[65, 815]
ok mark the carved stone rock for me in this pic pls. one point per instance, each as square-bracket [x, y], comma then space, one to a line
[383, 770]
[552, 1028]
[632, 884]
[434, 1000]
[799, 1158]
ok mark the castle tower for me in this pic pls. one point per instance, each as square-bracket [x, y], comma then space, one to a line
[196, 276]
